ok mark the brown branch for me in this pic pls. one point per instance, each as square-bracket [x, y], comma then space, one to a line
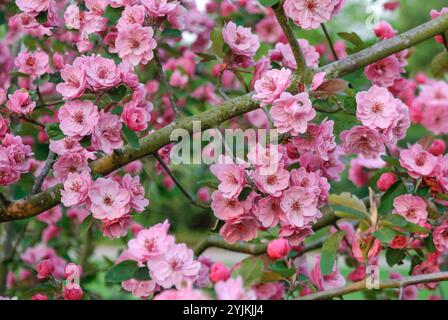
[44, 173]
[384, 284]
[330, 42]
[162, 78]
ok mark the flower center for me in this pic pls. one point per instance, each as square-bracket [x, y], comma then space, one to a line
[377, 107]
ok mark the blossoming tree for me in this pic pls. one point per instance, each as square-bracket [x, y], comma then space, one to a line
[92, 91]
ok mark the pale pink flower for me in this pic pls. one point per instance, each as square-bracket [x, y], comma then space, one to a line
[363, 140]
[295, 235]
[272, 184]
[159, 8]
[108, 199]
[268, 211]
[233, 289]
[106, 134]
[75, 80]
[384, 72]
[136, 191]
[440, 236]
[313, 182]
[136, 45]
[412, 208]
[131, 15]
[240, 39]
[231, 177]
[434, 119]
[174, 267]
[152, 242]
[51, 216]
[102, 73]
[186, 293]
[33, 64]
[224, 208]
[309, 14]
[318, 79]
[140, 289]
[376, 108]
[283, 52]
[33, 6]
[291, 113]
[77, 118]
[20, 102]
[116, 228]
[78, 214]
[271, 85]
[69, 145]
[417, 161]
[70, 163]
[242, 228]
[300, 206]
[76, 189]
[72, 17]
[326, 282]
[269, 30]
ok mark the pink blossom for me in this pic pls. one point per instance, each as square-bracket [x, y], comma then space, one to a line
[51, 216]
[136, 191]
[376, 108]
[386, 180]
[72, 18]
[326, 282]
[384, 72]
[437, 147]
[140, 289]
[75, 80]
[151, 242]
[233, 289]
[309, 14]
[76, 189]
[283, 52]
[441, 172]
[299, 206]
[411, 207]
[116, 228]
[175, 266]
[313, 182]
[240, 40]
[318, 79]
[219, 272]
[295, 235]
[70, 163]
[106, 134]
[278, 248]
[69, 145]
[50, 232]
[183, 294]
[135, 118]
[102, 73]
[384, 30]
[78, 214]
[33, 6]
[17, 152]
[224, 208]
[426, 267]
[44, 269]
[362, 140]
[440, 236]
[131, 15]
[158, 8]
[271, 183]
[231, 177]
[108, 199]
[292, 113]
[269, 291]
[357, 173]
[268, 211]
[72, 291]
[271, 85]
[136, 45]
[33, 64]
[77, 118]
[20, 102]
[242, 228]
[417, 161]
[39, 296]
[269, 30]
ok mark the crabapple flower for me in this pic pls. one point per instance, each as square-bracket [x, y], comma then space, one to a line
[268, 211]
[72, 291]
[376, 108]
[240, 40]
[278, 248]
[135, 118]
[151, 243]
[313, 182]
[108, 199]
[363, 140]
[174, 267]
[326, 282]
[131, 15]
[136, 45]
[242, 228]
[412, 208]
[70, 163]
[384, 30]
[441, 237]
[417, 161]
[140, 289]
[78, 118]
[386, 180]
[186, 293]
[224, 208]
[271, 184]
[219, 272]
[293, 234]
[309, 14]
[102, 73]
[76, 189]
[75, 80]
[33, 6]
[283, 52]
[231, 177]
[299, 206]
[384, 72]
[291, 113]
[159, 8]
[34, 64]
[20, 102]
[233, 289]
[136, 191]
[106, 134]
[116, 228]
[272, 85]
[15, 153]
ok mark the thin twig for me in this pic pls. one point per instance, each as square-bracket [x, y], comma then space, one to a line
[178, 184]
[330, 42]
[45, 170]
[32, 121]
[165, 82]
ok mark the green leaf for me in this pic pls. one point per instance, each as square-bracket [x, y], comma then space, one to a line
[118, 93]
[86, 225]
[123, 271]
[206, 56]
[112, 14]
[346, 205]
[439, 64]
[395, 220]
[251, 271]
[384, 234]
[54, 132]
[17, 74]
[354, 39]
[328, 253]
[131, 137]
[268, 3]
[282, 269]
[386, 204]
[412, 227]
[171, 33]
[217, 42]
[429, 244]
[142, 274]
[348, 213]
[394, 256]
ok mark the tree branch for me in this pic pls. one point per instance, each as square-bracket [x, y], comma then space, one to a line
[384, 284]
[35, 204]
[45, 170]
[162, 77]
[330, 42]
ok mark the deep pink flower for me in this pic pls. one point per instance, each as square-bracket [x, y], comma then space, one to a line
[135, 118]
[240, 40]
[219, 272]
[44, 269]
[411, 207]
[106, 134]
[20, 102]
[76, 189]
[384, 30]
[224, 208]
[116, 228]
[440, 236]
[77, 118]
[72, 291]
[242, 228]
[278, 248]
[384, 72]
[108, 199]
[292, 113]
[271, 85]
[386, 180]
[417, 161]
